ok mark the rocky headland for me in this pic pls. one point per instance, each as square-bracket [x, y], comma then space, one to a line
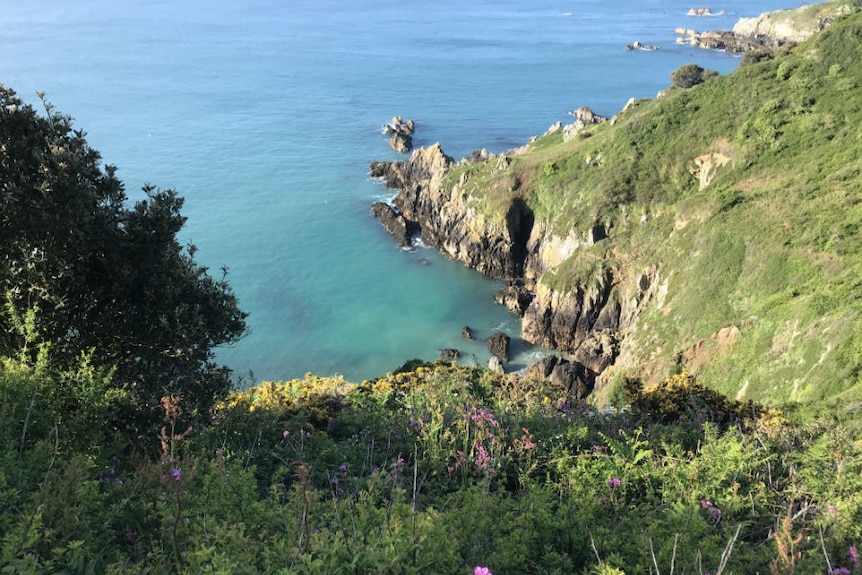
[585, 322]
[557, 221]
[769, 30]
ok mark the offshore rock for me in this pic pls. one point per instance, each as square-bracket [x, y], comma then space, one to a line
[449, 354]
[498, 345]
[466, 332]
[400, 134]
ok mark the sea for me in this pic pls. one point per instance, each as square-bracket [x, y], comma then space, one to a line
[265, 114]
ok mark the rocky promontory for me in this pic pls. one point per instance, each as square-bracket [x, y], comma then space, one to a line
[769, 30]
[584, 321]
[660, 239]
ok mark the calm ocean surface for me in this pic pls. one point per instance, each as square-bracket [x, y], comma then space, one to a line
[265, 115]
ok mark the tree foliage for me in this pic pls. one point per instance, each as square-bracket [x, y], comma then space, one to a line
[689, 75]
[109, 281]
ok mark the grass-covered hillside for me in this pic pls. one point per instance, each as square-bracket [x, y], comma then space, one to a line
[743, 193]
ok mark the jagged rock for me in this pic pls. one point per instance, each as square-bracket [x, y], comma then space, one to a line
[498, 345]
[573, 321]
[587, 116]
[400, 134]
[638, 46]
[583, 117]
[704, 12]
[448, 220]
[514, 297]
[726, 40]
[393, 222]
[573, 379]
[477, 157]
[450, 354]
[466, 332]
[495, 365]
[598, 351]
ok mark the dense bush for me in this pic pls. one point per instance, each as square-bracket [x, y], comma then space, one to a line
[109, 281]
[444, 469]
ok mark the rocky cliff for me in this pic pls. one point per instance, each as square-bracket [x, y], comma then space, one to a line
[447, 218]
[688, 231]
[584, 320]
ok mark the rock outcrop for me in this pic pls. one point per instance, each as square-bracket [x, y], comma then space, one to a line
[401, 229]
[498, 345]
[447, 217]
[400, 134]
[725, 40]
[583, 117]
[574, 380]
[769, 30]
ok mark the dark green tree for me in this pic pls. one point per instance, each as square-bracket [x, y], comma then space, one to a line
[108, 280]
[689, 75]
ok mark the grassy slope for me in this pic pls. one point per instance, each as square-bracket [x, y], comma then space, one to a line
[770, 246]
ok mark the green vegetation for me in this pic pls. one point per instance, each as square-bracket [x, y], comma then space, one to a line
[689, 75]
[98, 280]
[743, 192]
[122, 449]
[436, 470]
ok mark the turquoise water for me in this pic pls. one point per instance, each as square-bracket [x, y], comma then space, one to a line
[266, 114]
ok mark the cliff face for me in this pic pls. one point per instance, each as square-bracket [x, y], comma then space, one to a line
[448, 219]
[585, 319]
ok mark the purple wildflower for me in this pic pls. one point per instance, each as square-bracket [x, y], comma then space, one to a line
[841, 571]
[482, 571]
[176, 473]
[614, 482]
[854, 555]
